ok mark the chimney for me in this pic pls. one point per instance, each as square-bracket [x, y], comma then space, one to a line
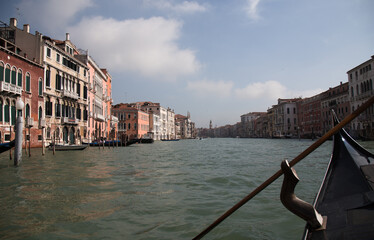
[13, 22]
[26, 28]
[67, 37]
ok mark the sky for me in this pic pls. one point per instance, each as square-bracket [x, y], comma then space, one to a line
[215, 59]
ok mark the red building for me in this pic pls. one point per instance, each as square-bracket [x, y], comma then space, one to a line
[309, 115]
[132, 122]
[20, 78]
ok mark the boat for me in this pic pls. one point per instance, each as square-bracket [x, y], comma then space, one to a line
[7, 146]
[72, 147]
[344, 205]
[169, 140]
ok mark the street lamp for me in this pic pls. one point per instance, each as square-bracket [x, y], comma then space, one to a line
[19, 128]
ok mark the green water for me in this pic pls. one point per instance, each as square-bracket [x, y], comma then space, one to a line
[164, 190]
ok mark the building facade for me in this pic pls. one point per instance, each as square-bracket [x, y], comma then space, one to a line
[360, 80]
[22, 78]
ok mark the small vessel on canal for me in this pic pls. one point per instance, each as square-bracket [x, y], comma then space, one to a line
[61, 147]
[7, 146]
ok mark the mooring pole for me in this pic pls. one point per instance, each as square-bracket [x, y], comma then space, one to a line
[10, 134]
[29, 141]
[19, 128]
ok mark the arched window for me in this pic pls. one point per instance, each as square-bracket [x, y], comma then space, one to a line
[28, 81]
[14, 76]
[6, 111]
[1, 71]
[40, 87]
[19, 79]
[7, 73]
[1, 110]
[27, 114]
[13, 113]
[48, 133]
[40, 116]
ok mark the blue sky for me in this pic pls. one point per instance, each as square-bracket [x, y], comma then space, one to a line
[216, 59]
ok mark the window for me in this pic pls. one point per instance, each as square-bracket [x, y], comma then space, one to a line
[40, 87]
[58, 57]
[6, 111]
[7, 73]
[13, 113]
[78, 89]
[27, 114]
[48, 78]
[85, 92]
[1, 71]
[48, 107]
[57, 109]
[40, 113]
[19, 82]
[48, 52]
[294, 110]
[14, 75]
[129, 126]
[288, 110]
[135, 126]
[79, 112]
[1, 110]
[27, 82]
[58, 82]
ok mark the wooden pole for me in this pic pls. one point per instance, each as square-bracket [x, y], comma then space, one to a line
[279, 173]
[25, 141]
[10, 133]
[54, 142]
[29, 141]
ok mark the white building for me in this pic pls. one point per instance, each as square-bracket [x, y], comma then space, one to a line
[360, 81]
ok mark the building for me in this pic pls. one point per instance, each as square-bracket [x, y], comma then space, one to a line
[63, 115]
[22, 78]
[337, 99]
[186, 128]
[285, 117]
[133, 123]
[360, 79]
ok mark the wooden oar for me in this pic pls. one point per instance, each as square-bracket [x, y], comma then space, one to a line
[279, 173]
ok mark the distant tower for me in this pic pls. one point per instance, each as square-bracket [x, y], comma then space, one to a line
[188, 115]
[210, 124]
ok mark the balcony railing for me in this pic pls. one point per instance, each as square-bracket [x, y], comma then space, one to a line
[67, 120]
[114, 118]
[29, 122]
[70, 94]
[42, 123]
[7, 87]
[99, 117]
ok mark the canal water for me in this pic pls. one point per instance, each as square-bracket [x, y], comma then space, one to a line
[164, 190]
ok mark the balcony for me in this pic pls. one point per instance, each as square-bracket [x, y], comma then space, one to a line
[67, 120]
[29, 122]
[69, 94]
[42, 123]
[99, 117]
[114, 118]
[10, 88]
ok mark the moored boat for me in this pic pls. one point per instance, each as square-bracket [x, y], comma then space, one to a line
[169, 140]
[61, 147]
[7, 146]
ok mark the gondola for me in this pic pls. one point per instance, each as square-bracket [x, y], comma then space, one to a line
[346, 196]
[59, 147]
[7, 146]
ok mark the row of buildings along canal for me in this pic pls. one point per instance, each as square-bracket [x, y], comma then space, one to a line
[310, 117]
[67, 96]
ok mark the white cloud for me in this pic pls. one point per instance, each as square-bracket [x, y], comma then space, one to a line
[211, 88]
[51, 15]
[184, 7]
[271, 91]
[143, 46]
[252, 9]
